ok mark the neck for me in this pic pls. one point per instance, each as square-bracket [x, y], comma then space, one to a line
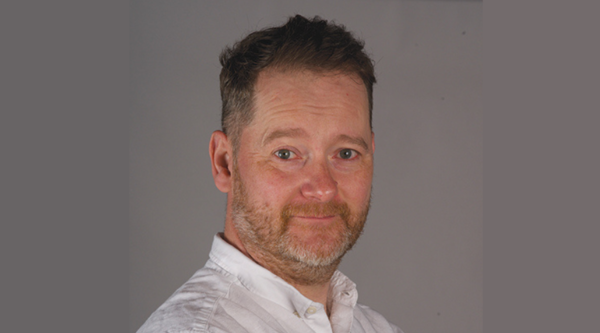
[311, 281]
[316, 293]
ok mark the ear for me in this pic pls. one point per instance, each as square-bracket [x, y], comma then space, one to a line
[221, 158]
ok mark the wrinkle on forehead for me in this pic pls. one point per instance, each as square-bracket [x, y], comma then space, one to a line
[305, 85]
[296, 104]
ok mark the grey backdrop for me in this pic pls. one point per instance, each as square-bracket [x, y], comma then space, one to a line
[419, 262]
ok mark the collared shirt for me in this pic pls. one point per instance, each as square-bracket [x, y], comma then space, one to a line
[232, 293]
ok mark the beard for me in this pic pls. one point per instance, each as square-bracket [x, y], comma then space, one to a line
[306, 253]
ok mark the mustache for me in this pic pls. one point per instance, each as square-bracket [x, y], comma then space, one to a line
[316, 209]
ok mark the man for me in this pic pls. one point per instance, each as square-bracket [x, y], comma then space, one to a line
[295, 157]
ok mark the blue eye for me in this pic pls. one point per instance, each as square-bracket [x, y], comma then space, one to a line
[284, 154]
[346, 154]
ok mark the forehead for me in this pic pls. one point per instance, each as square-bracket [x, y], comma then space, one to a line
[309, 98]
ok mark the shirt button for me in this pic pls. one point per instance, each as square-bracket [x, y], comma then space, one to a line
[296, 313]
[311, 309]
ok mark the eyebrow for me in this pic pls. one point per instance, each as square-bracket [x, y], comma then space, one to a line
[290, 133]
[298, 132]
[355, 140]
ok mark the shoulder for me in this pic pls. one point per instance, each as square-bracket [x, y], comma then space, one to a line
[191, 307]
[372, 319]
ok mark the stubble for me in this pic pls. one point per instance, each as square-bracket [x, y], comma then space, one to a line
[266, 235]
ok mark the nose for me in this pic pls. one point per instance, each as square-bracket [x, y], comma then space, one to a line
[319, 184]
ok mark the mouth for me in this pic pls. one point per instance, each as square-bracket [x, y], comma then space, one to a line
[316, 218]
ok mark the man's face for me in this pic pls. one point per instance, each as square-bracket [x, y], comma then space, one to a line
[303, 170]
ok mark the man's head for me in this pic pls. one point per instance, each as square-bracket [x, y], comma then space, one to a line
[300, 44]
[298, 161]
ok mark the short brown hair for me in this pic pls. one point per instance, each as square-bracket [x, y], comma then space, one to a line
[300, 44]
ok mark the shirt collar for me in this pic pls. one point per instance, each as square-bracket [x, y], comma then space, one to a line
[264, 283]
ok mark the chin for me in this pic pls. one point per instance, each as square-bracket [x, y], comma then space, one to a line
[319, 250]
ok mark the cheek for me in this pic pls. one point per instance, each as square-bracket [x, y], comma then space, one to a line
[356, 188]
[268, 186]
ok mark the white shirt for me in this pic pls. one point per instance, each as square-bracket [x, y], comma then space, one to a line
[232, 293]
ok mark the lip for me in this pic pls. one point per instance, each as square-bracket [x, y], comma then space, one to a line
[315, 218]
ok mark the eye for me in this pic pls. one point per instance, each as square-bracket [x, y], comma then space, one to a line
[347, 154]
[284, 154]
